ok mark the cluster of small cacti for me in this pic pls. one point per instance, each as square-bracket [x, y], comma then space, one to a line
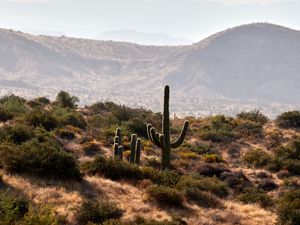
[163, 140]
[135, 147]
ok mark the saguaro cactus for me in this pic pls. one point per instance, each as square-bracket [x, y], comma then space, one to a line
[117, 147]
[135, 147]
[163, 140]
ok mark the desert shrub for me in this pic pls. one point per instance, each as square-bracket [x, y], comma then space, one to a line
[288, 157]
[255, 195]
[64, 99]
[153, 162]
[38, 118]
[68, 116]
[17, 133]
[42, 100]
[282, 174]
[137, 126]
[211, 169]
[202, 198]
[200, 149]
[97, 212]
[165, 196]
[5, 115]
[12, 209]
[43, 159]
[274, 139]
[13, 104]
[257, 158]
[289, 208]
[255, 116]
[90, 148]
[267, 185]
[289, 119]
[207, 184]
[189, 155]
[113, 169]
[166, 177]
[73, 118]
[249, 128]
[41, 216]
[234, 151]
[220, 129]
[65, 134]
[212, 158]
[236, 180]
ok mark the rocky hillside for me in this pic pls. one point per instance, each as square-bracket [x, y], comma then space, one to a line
[57, 167]
[246, 67]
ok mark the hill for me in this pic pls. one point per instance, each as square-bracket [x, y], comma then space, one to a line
[58, 166]
[246, 67]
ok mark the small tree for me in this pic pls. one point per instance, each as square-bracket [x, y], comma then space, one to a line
[64, 99]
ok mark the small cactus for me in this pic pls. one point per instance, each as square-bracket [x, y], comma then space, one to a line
[135, 147]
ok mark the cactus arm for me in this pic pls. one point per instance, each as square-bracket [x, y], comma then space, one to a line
[132, 148]
[154, 137]
[116, 146]
[182, 135]
[149, 126]
[119, 135]
[138, 151]
[162, 141]
[116, 140]
[120, 152]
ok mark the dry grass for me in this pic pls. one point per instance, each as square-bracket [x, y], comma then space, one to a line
[65, 197]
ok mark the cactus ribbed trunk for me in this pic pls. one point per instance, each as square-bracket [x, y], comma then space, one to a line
[166, 152]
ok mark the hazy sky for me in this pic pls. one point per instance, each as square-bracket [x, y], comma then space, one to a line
[191, 19]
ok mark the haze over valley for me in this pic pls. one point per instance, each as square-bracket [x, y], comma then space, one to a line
[242, 68]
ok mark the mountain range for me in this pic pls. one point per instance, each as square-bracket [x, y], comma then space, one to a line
[242, 68]
[143, 38]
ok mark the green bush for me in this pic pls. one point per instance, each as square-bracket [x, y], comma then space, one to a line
[17, 133]
[249, 128]
[254, 195]
[207, 184]
[5, 115]
[219, 129]
[44, 159]
[288, 157]
[202, 198]
[38, 118]
[166, 177]
[165, 196]
[40, 217]
[289, 208]
[257, 158]
[97, 212]
[255, 116]
[91, 148]
[64, 99]
[13, 104]
[289, 119]
[113, 169]
[12, 209]
[65, 134]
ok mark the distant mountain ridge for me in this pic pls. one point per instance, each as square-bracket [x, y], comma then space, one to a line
[242, 68]
[143, 38]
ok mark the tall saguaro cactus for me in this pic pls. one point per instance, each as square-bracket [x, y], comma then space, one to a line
[163, 140]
